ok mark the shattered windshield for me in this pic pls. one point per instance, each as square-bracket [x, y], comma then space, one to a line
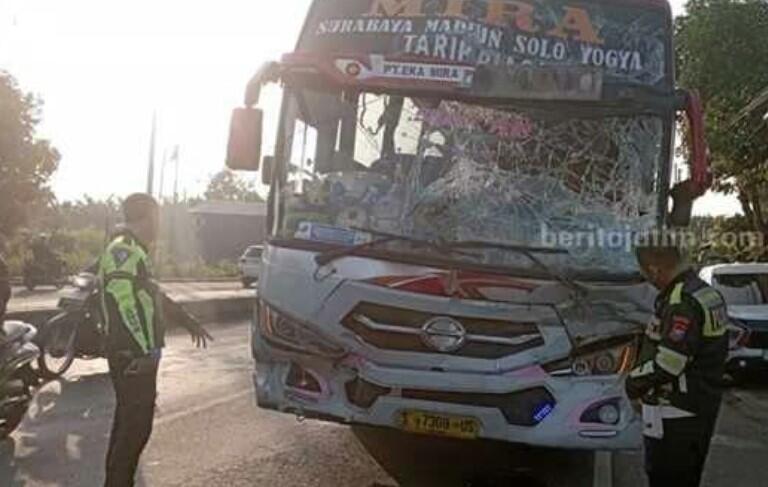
[453, 171]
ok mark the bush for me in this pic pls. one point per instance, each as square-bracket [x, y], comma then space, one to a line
[196, 268]
[80, 248]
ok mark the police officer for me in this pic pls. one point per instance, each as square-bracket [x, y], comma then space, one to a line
[134, 322]
[680, 368]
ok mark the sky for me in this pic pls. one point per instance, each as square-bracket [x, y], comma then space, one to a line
[104, 67]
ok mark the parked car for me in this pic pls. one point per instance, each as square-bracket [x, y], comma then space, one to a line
[250, 264]
[745, 289]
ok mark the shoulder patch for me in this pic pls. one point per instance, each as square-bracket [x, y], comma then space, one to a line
[120, 255]
[680, 326]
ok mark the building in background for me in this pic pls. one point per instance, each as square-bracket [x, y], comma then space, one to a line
[226, 228]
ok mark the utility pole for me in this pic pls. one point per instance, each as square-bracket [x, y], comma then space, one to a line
[108, 219]
[174, 209]
[161, 189]
[175, 158]
[151, 168]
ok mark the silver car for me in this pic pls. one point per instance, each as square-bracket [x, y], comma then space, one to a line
[250, 264]
[745, 289]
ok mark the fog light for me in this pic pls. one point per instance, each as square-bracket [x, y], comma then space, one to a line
[300, 378]
[364, 394]
[608, 414]
[603, 412]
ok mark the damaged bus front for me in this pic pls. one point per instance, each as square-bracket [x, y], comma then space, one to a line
[454, 190]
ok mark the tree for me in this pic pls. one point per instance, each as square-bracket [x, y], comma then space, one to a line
[228, 186]
[26, 161]
[757, 107]
[83, 213]
[722, 52]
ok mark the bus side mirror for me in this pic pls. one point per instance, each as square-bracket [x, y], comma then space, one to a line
[267, 166]
[269, 72]
[686, 192]
[244, 147]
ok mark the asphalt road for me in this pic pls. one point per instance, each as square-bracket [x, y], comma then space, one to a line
[208, 432]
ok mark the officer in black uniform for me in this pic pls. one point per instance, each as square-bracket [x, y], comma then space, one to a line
[680, 368]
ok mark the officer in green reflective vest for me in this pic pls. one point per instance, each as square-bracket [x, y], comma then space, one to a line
[680, 368]
[133, 319]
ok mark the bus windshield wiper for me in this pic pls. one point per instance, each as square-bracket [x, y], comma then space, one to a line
[528, 252]
[381, 238]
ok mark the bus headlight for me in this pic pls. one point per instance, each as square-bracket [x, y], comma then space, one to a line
[284, 332]
[614, 360]
[599, 359]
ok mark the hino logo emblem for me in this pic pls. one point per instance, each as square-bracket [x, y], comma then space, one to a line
[443, 334]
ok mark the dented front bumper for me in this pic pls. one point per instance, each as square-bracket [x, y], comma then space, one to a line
[526, 405]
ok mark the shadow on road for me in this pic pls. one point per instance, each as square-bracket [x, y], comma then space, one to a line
[8, 467]
[426, 461]
[752, 380]
[63, 440]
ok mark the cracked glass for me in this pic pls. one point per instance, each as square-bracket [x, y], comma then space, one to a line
[449, 170]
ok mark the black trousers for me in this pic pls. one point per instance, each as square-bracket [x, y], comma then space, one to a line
[678, 458]
[135, 393]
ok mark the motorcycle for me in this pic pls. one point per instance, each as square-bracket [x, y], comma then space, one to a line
[17, 379]
[75, 332]
[37, 274]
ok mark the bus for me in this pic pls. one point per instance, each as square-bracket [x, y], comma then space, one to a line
[454, 191]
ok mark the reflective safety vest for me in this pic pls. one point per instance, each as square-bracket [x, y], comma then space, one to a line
[129, 297]
[683, 356]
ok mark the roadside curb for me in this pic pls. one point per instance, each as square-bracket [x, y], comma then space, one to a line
[18, 281]
[208, 311]
[212, 311]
